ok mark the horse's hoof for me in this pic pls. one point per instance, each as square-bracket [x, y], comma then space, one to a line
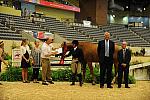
[112, 83]
[93, 83]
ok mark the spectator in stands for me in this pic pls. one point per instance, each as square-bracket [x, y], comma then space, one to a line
[33, 20]
[5, 2]
[1, 3]
[124, 57]
[8, 22]
[45, 55]
[25, 61]
[142, 51]
[36, 60]
[105, 53]
[29, 13]
[2, 55]
[77, 59]
[5, 21]
[25, 12]
[16, 4]
[22, 15]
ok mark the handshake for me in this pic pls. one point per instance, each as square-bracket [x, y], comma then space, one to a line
[54, 53]
[57, 51]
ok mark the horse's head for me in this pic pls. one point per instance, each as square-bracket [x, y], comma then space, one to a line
[65, 48]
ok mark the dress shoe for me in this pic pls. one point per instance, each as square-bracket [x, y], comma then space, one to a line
[51, 82]
[109, 86]
[80, 84]
[93, 83]
[24, 81]
[119, 86]
[27, 81]
[72, 83]
[35, 82]
[127, 87]
[101, 86]
[44, 83]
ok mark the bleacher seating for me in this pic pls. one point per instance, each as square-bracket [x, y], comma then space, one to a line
[144, 33]
[95, 34]
[135, 37]
[7, 34]
[122, 33]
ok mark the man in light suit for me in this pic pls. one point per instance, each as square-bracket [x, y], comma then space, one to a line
[105, 53]
[124, 57]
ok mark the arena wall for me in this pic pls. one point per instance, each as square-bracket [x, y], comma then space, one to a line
[55, 13]
[11, 11]
[28, 6]
[118, 19]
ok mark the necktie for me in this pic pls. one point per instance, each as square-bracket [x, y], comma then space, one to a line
[124, 53]
[106, 49]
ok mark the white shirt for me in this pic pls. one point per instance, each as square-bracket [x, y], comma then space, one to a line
[46, 50]
[75, 48]
[124, 50]
[107, 41]
[24, 49]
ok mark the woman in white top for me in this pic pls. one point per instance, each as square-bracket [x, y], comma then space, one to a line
[25, 62]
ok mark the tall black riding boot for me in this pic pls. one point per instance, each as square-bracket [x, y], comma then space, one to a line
[73, 79]
[80, 79]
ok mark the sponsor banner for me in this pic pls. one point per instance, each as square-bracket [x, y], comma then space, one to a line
[55, 5]
[16, 57]
[86, 23]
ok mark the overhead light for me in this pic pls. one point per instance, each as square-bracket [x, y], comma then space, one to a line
[144, 9]
[113, 15]
[139, 9]
[127, 7]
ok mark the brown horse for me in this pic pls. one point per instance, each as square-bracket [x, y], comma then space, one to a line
[90, 55]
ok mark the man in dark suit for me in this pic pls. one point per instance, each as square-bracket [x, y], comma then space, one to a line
[77, 59]
[124, 57]
[105, 53]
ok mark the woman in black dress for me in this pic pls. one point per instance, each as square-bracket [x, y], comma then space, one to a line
[25, 62]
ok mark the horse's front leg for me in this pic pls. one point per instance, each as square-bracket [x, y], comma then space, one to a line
[116, 74]
[84, 69]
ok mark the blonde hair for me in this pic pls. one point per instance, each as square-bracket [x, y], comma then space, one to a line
[36, 40]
